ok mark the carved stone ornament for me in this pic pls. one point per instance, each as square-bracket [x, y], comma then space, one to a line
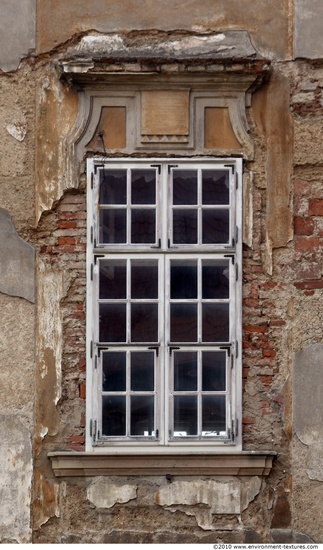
[159, 94]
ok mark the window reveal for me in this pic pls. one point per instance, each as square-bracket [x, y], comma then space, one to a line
[164, 312]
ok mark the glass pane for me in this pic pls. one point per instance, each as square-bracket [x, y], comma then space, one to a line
[215, 279]
[215, 187]
[144, 279]
[213, 415]
[215, 322]
[112, 322]
[185, 415]
[215, 226]
[185, 371]
[142, 371]
[113, 187]
[183, 279]
[113, 279]
[184, 187]
[114, 371]
[113, 226]
[184, 226]
[183, 324]
[114, 415]
[142, 415]
[143, 226]
[143, 186]
[213, 370]
[144, 323]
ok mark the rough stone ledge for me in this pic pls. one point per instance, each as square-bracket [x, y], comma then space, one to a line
[245, 463]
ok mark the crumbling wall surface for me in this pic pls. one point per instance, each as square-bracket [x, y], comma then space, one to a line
[58, 22]
[306, 304]
[17, 284]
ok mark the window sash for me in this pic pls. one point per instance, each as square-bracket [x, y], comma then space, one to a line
[165, 252]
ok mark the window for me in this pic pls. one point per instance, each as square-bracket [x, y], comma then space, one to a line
[164, 300]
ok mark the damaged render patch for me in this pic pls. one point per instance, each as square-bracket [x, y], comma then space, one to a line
[17, 129]
[218, 497]
[104, 494]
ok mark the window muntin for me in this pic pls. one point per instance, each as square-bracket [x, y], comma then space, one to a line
[136, 311]
[128, 212]
[201, 207]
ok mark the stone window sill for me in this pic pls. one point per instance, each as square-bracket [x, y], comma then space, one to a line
[243, 463]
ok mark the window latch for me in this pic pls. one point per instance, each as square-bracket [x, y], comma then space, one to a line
[171, 349]
[157, 245]
[156, 348]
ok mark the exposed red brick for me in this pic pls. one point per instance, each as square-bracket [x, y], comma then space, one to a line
[82, 388]
[308, 244]
[315, 207]
[66, 240]
[277, 322]
[255, 328]
[67, 224]
[309, 285]
[303, 226]
[269, 353]
[248, 420]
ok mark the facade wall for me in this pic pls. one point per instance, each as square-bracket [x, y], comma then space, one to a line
[43, 287]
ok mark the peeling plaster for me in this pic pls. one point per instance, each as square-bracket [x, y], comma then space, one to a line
[17, 129]
[307, 406]
[17, 258]
[104, 494]
[15, 480]
[49, 348]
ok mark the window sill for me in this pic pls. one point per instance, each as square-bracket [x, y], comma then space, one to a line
[243, 463]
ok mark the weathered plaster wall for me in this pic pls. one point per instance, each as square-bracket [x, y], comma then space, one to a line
[308, 29]
[282, 292]
[17, 269]
[57, 21]
[17, 39]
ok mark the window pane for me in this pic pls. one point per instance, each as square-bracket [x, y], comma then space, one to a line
[113, 277]
[143, 226]
[213, 414]
[143, 186]
[113, 187]
[144, 323]
[215, 322]
[185, 371]
[142, 371]
[114, 415]
[215, 279]
[183, 279]
[185, 415]
[184, 187]
[144, 279]
[213, 370]
[114, 371]
[215, 226]
[112, 322]
[113, 226]
[184, 226]
[215, 187]
[142, 415]
[183, 324]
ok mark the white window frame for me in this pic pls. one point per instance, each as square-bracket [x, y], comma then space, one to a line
[166, 251]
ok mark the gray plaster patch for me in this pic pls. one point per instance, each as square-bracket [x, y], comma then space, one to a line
[17, 37]
[308, 406]
[307, 394]
[104, 494]
[308, 28]
[15, 480]
[220, 497]
[17, 261]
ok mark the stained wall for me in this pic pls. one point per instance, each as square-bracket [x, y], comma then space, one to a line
[43, 287]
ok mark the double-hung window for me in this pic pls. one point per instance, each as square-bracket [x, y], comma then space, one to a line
[163, 308]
